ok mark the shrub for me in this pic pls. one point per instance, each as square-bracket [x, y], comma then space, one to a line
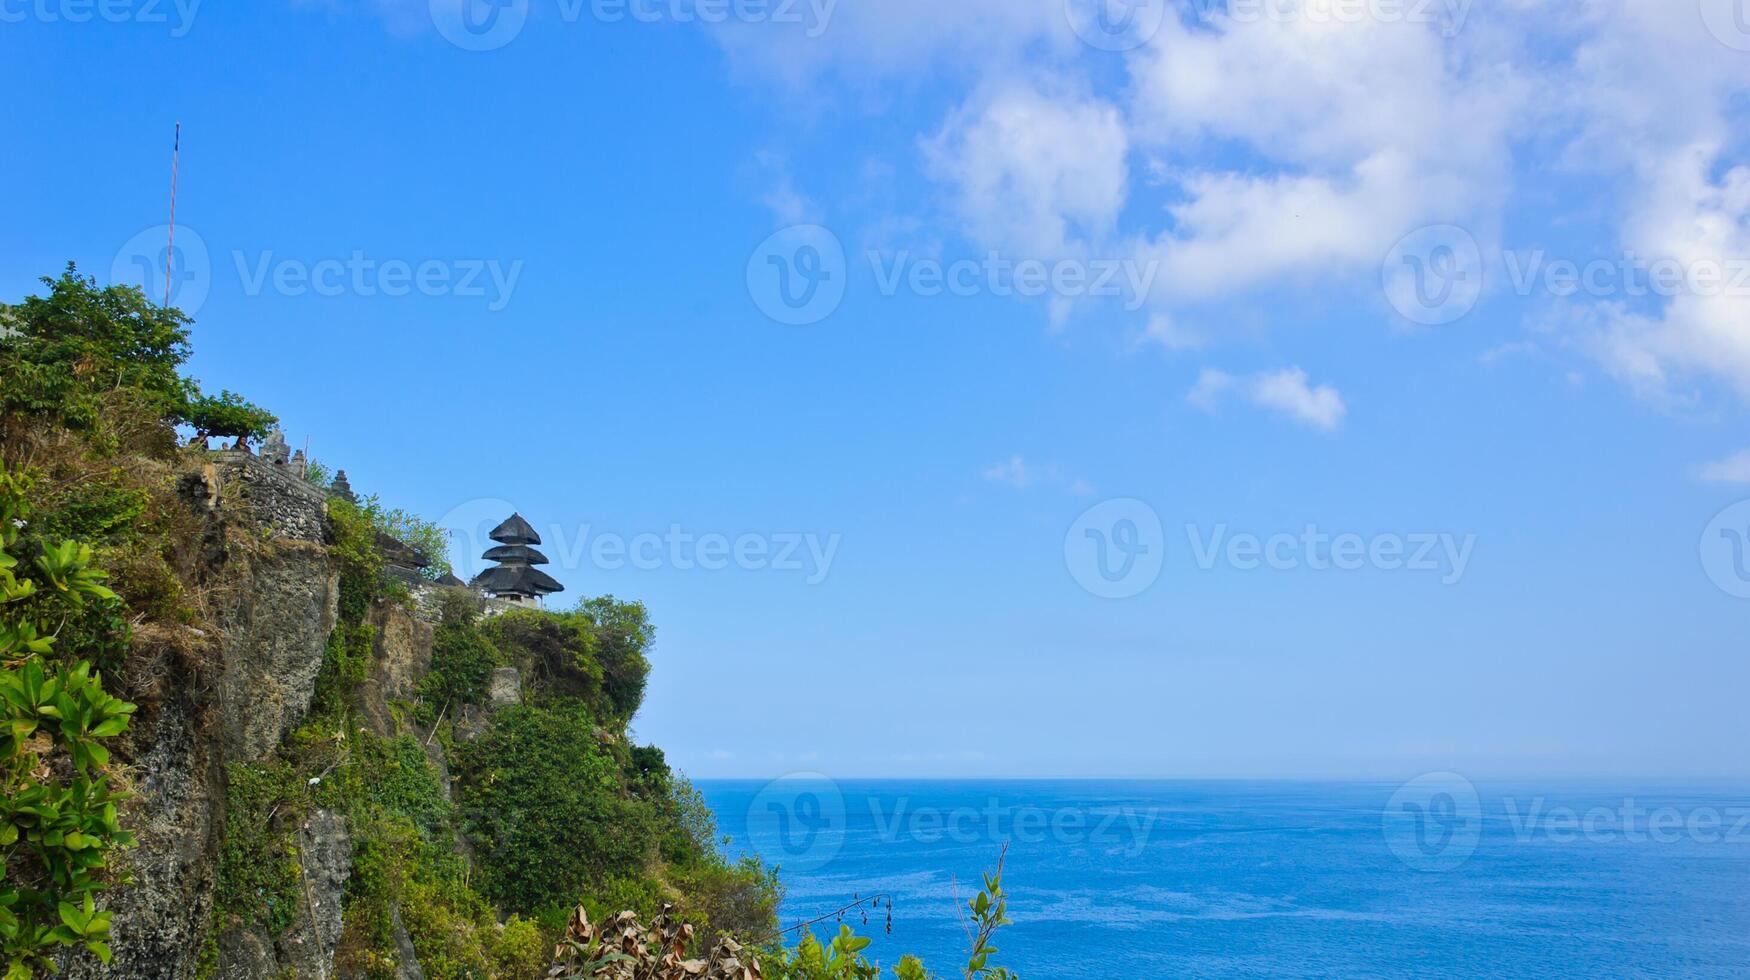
[543, 804]
[518, 949]
[58, 821]
[425, 537]
[258, 870]
[594, 654]
[228, 415]
[462, 660]
[623, 634]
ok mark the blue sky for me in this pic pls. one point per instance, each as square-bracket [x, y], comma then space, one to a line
[1276, 181]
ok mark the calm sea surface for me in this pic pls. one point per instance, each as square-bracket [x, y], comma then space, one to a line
[1220, 879]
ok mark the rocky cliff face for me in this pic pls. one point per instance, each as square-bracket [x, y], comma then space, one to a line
[307, 947]
[221, 698]
[225, 705]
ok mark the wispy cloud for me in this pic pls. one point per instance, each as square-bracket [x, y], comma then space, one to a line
[1016, 472]
[1165, 331]
[1734, 469]
[1287, 392]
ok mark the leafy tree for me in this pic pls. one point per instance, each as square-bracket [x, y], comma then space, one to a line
[462, 660]
[423, 536]
[81, 342]
[543, 804]
[68, 355]
[623, 633]
[229, 415]
[58, 822]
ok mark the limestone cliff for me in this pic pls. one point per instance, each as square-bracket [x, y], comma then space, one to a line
[222, 695]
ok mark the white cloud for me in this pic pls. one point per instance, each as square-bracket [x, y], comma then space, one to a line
[1211, 387]
[1014, 472]
[1033, 173]
[1733, 469]
[1018, 473]
[1287, 392]
[1698, 223]
[1506, 351]
[1658, 99]
[1364, 130]
[787, 204]
[1166, 332]
[1292, 151]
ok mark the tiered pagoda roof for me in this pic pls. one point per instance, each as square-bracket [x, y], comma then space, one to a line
[515, 576]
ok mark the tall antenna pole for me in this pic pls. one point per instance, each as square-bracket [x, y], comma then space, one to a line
[170, 250]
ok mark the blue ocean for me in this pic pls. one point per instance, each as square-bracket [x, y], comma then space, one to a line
[1270, 879]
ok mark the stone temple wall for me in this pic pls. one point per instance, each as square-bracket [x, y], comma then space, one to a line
[283, 502]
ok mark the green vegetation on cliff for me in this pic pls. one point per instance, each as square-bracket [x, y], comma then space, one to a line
[58, 820]
[471, 820]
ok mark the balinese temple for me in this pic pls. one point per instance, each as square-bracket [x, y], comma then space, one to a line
[515, 577]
